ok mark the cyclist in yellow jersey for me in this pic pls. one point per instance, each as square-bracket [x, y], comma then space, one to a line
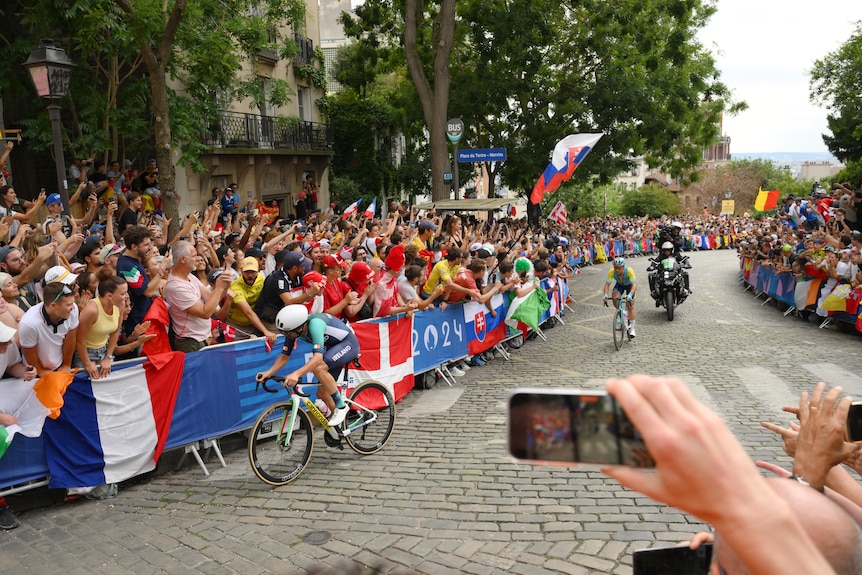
[623, 278]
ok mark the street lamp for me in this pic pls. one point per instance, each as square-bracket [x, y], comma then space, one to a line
[51, 72]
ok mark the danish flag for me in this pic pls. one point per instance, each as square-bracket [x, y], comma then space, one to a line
[387, 354]
[558, 214]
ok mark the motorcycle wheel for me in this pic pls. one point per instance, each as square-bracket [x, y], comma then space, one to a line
[669, 302]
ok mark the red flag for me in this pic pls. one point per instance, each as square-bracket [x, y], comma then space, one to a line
[766, 200]
[387, 354]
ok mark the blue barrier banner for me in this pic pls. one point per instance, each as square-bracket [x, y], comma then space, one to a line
[438, 337]
[217, 394]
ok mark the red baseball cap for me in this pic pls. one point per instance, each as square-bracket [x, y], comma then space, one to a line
[332, 261]
[360, 274]
[313, 277]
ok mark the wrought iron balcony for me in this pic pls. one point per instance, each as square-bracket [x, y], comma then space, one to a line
[236, 130]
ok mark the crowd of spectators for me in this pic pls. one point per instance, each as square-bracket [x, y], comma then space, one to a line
[817, 237]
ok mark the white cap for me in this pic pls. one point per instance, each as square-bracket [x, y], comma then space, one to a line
[60, 274]
[6, 333]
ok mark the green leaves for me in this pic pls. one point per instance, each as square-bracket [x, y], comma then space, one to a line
[835, 82]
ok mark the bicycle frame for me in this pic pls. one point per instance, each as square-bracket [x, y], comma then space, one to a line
[297, 397]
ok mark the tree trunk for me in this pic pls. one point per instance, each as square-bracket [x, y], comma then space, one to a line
[435, 102]
[167, 183]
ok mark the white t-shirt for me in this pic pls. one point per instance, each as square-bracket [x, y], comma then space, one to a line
[9, 358]
[180, 295]
[406, 289]
[34, 331]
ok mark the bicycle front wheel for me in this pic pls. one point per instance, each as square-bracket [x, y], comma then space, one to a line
[619, 329]
[371, 418]
[277, 454]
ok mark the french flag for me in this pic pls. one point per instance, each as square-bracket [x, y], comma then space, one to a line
[387, 354]
[370, 210]
[351, 209]
[483, 330]
[114, 428]
[568, 154]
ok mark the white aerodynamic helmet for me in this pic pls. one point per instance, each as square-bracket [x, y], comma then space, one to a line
[291, 317]
[667, 246]
[676, 225]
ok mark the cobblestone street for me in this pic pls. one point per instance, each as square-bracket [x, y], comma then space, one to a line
[443, 496]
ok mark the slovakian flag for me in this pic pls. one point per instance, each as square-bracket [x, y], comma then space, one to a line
[370, 210]
[351, 209]
[558, 214]
[484, 331]
[387, 354]
[568, 154]
[766, 200]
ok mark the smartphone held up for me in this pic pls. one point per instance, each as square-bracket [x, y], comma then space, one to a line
[572, 427]
[854, 423]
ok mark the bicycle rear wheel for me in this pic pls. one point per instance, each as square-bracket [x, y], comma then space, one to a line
[274, 459]
[371, 418]
[619, 329]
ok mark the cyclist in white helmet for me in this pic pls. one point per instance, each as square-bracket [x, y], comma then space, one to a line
[334, 345]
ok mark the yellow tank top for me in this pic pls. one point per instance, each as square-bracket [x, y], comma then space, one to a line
[103, 328]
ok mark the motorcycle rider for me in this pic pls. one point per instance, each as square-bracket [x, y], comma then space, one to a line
[623, 278]
[672, 235]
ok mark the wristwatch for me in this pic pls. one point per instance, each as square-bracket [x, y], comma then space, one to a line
[111, 357]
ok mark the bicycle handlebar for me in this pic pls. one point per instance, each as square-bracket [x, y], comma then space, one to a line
[265, 387]
[279, 379]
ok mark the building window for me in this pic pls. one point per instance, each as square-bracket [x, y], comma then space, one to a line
[266, 95]
[302, 102]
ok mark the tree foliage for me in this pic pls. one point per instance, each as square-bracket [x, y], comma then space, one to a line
[653, 200]
[835, 82]
[632, 69]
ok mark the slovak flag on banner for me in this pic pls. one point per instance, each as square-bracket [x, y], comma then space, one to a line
[483, 330]
[371, 210]
[351, 209]
[568, 154]
[387, 354]
[558, 214]
[114, 428]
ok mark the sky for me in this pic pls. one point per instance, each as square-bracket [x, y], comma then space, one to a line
[765, 50]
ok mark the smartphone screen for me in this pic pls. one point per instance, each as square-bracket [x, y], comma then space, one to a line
[567, 426]
[854, 423]
[672, 561]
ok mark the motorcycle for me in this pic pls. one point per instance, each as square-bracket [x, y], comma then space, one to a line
[668, 287]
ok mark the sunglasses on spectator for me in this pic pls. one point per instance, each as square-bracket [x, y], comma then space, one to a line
[66, 291]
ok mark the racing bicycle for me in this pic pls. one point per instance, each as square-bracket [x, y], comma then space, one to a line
[621, 322]
[282, 439]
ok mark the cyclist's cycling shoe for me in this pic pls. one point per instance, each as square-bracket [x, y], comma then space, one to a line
[338, 416]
